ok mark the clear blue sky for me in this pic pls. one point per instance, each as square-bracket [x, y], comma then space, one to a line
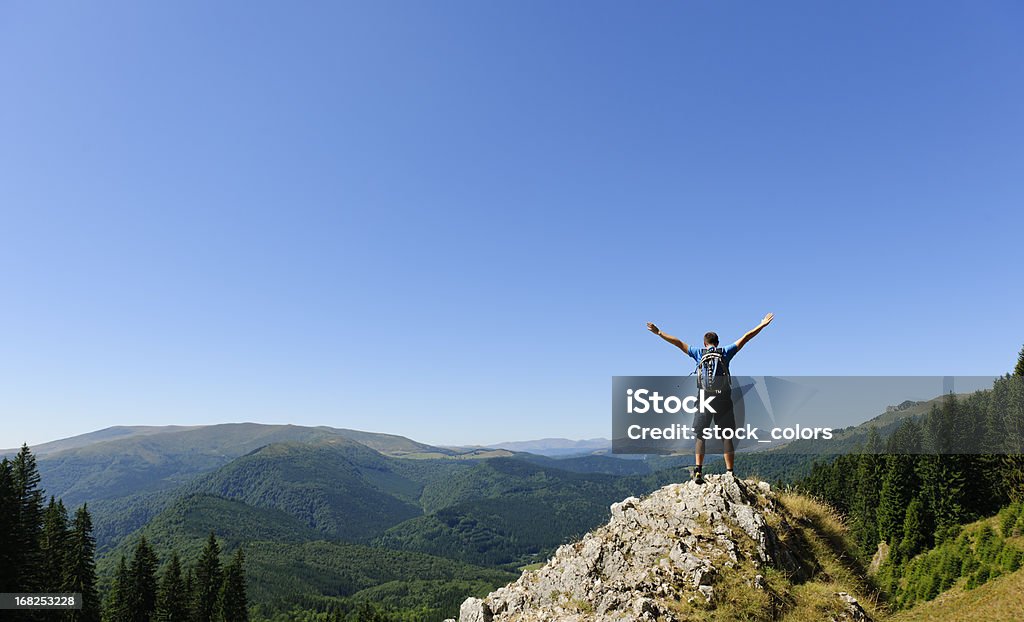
[450, 220]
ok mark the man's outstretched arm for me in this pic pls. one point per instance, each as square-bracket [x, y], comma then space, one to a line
[750, 334]
[676, 341]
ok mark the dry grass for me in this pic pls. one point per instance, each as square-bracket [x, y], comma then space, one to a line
[824, 532]
[817, 601]
[735, 599]
[815, 532]
[807, 510]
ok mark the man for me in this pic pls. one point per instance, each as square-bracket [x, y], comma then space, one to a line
[712, 363]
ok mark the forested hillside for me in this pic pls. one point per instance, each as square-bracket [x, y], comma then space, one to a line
[907, 497]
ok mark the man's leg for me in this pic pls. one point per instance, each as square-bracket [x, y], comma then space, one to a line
[726, 419]
[700, 421]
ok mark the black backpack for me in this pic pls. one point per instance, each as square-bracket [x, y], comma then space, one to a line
[713, 371]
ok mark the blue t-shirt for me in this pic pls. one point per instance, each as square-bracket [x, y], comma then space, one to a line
[697, 353]
[730, 351]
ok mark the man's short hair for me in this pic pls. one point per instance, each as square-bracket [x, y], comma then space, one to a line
[711, 338]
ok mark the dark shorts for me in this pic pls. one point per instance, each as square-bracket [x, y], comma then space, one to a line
[724, 416]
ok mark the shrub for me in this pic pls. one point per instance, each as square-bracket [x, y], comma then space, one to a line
[986, 544]
[932, 587]
[969, 565]
[1008, 518]
[1010, 558]
[980, 577]
[949, 532]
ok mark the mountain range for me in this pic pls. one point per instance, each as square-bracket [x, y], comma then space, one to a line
[328, 516]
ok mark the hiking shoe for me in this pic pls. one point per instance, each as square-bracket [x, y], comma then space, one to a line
[698, 477]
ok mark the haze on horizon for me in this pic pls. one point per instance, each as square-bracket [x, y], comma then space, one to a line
[451, 221]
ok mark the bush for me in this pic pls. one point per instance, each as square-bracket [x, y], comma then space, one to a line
[988, 544]
[1008, 519]
[969, 565]
[932, 587]
[942, 534]
[948, 568]
[980, 577]
[1010, 558]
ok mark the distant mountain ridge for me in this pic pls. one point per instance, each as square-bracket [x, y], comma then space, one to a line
[386, 443]
[557, 446]
[116, 462]
[98, 436]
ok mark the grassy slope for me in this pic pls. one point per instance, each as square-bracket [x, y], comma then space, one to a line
[823, 534]
[999, 600]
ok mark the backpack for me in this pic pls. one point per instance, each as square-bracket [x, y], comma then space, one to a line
[713, 371]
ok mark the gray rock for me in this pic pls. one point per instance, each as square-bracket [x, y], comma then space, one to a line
[854, 612]
[667, 548]
[474, 610]
[707, 591]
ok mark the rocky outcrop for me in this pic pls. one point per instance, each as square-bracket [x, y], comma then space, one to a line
[658, 558]
[853, 611]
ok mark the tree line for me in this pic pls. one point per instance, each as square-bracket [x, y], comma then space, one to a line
[209, 591]
[43, 549]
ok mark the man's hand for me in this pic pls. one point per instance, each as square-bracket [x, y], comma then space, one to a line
[669, 338]
[742, 341]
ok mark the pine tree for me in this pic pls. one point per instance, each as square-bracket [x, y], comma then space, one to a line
[1019, 369]
[28, 530]
[81, 567]
[8, 527]
[994, 436]
[207, 582]
[943, 472]
[865, 504]
[917, 527]
[54, 545]
[142, 578]
[188, 593]
[1013, 445]
[899, 481]
[117, 606]
[942, 487]
[171, 602]
[234, 603]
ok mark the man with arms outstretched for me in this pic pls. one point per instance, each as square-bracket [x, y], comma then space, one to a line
[712, 363]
